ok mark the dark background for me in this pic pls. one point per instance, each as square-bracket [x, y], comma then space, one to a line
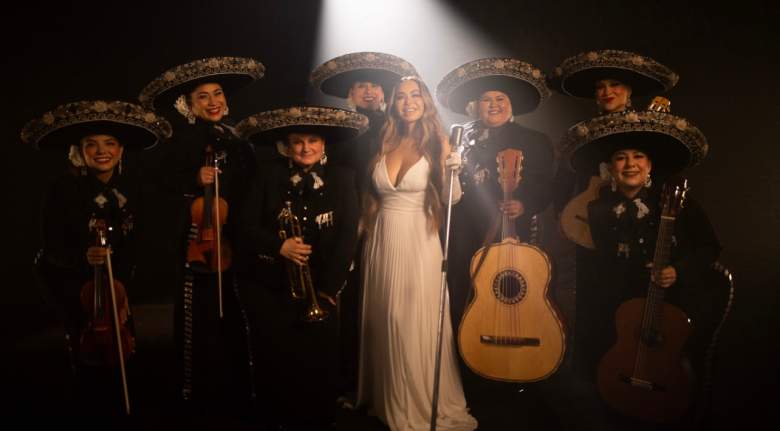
[726, 56]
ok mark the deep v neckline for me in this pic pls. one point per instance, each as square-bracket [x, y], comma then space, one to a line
[401, 177]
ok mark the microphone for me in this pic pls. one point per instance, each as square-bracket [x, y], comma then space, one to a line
[456, 136]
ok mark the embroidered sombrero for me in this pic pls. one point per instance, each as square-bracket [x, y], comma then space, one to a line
[66, 125]
[577, 75]
[671, 142]
[523, 83]
[333, 124]
[232, 73]
[336, 76]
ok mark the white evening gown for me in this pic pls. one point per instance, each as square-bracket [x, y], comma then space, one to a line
[402, 282]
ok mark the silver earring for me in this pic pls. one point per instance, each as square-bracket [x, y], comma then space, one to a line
[119, 169]
[648, 182]
[628, 102]
[613, 184]
[324, 159]
[226, 111]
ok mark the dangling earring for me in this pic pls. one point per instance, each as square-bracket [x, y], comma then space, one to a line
[119, 168]
[628, 103]
[613, 184]
[226, 111]
[324, 159]
[382, 106]
[648, 181]
[351, 105]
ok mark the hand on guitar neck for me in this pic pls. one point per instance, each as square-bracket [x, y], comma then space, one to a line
[665, 277]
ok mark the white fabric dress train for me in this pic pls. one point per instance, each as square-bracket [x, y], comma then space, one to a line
[402, 282]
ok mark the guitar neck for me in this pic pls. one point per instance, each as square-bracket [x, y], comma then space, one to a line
[661, 258]
[507, 225]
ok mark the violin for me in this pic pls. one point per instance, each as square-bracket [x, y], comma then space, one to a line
[104, 300]
[209, 213]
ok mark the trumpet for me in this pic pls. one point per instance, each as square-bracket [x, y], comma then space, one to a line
[299, 276]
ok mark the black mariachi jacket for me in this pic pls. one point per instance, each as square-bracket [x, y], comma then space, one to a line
[479, 180]
[70, 206]
[625, 231]
[327, 208]
[186, 154]
[358, 154]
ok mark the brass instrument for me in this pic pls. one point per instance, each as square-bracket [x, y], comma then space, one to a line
[299, 276]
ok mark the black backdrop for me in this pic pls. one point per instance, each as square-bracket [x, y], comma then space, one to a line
[726, 56]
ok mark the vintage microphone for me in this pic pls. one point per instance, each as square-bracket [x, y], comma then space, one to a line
[457, 132]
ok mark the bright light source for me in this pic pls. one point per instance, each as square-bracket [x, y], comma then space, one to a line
[424, 32]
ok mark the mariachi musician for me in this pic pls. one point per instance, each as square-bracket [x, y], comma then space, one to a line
[641, 150]
[207, 169]
[492, 91]
[298, 232]
[86, 211]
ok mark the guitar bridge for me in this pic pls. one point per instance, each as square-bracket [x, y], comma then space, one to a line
[509, 341]
[638, 383]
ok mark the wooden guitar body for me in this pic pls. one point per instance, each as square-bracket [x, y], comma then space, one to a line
[574, 217]
[510, 330]
[643, 376]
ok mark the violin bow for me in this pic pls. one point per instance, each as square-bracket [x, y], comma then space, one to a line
[219, 236]
[116, 328]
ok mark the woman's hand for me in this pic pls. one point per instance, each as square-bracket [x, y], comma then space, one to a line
[295, 250]
[512, 208]
[206, 175]
[453, 162]
[97, 255]
[665, 277]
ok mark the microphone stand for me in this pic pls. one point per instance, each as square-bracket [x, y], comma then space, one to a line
[457, 136]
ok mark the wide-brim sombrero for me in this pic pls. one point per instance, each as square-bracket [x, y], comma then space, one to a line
[66, 125]
[333, 124]
[232, 73]
[671, 142]
[577, 75]
[522, 82]
[337, 75]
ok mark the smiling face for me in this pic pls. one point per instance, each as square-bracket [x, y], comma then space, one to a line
[367, 95]
[409, 103]
[630, 168]
[495, 108]
[101, 154]
[208, 102]
[305, 149]
[612, 95]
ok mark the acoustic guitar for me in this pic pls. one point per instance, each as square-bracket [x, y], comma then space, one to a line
[642, 375]
[574, 217]
[511, 330]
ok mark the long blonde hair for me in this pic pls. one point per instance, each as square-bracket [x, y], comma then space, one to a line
[428, 137]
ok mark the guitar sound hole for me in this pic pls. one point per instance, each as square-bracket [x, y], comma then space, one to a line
[509, 287]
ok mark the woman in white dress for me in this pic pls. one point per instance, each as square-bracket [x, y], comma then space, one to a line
[402, 271]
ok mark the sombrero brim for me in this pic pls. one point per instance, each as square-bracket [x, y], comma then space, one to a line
[668, 154]
[333, 124]
[583, 83]
[232, 73]
[340, 84]
[523, 96]
[577, 75]
[331, 134]
[230, 83]
[670, 141]
[131, 137]
[131, 124]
